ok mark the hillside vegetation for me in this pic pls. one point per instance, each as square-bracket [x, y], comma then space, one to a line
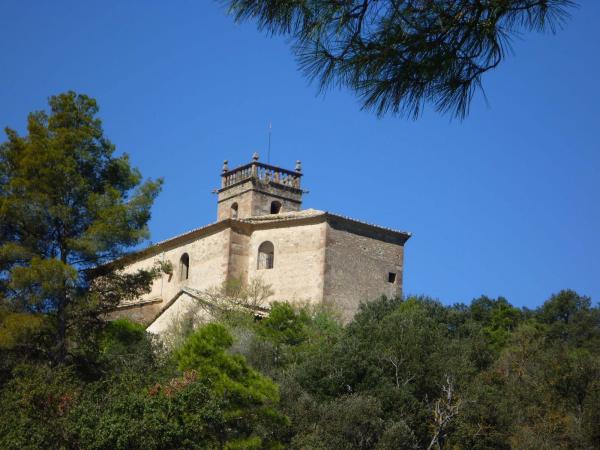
[404, 374]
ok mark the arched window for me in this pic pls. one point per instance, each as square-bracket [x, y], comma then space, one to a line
[234, 211]
[275, 207]
[184, 267]
[266, 253]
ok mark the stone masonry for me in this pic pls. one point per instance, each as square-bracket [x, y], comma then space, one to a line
[306, 256]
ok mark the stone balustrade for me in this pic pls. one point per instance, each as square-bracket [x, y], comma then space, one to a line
[262, 172]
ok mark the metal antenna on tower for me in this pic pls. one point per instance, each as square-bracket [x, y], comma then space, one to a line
[269, 151]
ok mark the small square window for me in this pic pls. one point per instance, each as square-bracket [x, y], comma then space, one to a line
[391, 277]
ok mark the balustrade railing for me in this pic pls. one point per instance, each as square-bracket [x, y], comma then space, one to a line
[263, 172]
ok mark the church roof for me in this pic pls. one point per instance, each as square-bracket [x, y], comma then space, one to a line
[273, 219]
[308, 213]
[283, 217]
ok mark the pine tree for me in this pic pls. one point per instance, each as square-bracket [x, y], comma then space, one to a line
[68, 206]
[398, 55]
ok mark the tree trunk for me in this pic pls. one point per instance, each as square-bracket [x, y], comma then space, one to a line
[61, 317]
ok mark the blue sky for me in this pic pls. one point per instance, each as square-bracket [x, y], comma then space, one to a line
[505, 202]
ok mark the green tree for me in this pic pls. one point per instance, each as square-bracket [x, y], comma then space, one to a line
[570, 316]
[398, 55]
[35, 406]
[498, 318]
[249, 418]
[352, 421]
[284, 325]
[563, 307]
[539, 390]
[68, 206]
[375, 381]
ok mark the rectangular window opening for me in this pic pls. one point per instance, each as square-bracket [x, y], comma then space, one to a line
[391, 277]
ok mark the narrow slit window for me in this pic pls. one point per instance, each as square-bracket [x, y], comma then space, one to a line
[234, 211]
[184, 267]
[266, 255]
[391, 277]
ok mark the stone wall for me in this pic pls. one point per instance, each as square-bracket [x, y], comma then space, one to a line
[143, 313]
[240, 194]
[319, 259]
[254, 198]
[208, 260]
[184, 308]
[357, 268]
[265, 194]
[298, 261]
[239, 252]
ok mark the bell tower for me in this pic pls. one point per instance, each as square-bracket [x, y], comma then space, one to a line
[257, 189]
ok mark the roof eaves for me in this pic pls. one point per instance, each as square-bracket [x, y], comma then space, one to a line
[371, 225]
[165, 244]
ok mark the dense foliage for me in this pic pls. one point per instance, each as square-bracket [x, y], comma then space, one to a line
[398, 55]
[404, 374]
[416, 374]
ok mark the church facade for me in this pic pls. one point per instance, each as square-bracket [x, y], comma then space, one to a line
[261, 232]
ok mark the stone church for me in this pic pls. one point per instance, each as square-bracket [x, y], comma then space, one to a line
[304, 255]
